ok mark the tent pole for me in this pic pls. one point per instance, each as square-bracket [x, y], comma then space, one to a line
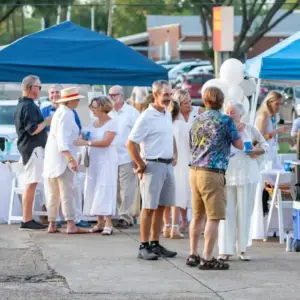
[254, 103]
[104, 90]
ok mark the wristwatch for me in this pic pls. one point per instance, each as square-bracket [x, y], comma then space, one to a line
[70, 159]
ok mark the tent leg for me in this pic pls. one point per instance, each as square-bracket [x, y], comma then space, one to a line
[104, 90]
[254, 103]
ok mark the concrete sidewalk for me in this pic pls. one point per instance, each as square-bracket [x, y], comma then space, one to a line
[36, 265]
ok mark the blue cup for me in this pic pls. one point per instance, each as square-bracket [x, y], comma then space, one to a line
[247, 146]
[87, 135]
[287, 166]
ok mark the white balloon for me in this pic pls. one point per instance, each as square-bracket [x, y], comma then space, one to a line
[248, 86]
[223, 86]
[246, 104]
[232, 71]
[235, 93]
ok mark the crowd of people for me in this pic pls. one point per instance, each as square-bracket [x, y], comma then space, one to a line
[156, 147]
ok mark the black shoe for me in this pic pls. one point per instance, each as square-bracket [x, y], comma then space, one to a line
[162, 251]
[146, 253]
[32, 225]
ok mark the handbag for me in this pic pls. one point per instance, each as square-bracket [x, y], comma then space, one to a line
[86, 159]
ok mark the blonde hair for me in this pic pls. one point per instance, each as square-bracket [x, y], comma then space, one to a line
[174, 109]
[180, 95]
[265, 106]
[104, 103]
[147, 101]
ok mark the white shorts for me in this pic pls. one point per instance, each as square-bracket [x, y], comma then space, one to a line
[35, 166]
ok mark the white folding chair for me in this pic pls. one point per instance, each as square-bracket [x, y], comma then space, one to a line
[16, 191]
[280, 205]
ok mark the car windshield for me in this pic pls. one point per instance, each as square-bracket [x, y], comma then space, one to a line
[199, 79]
[7, 114]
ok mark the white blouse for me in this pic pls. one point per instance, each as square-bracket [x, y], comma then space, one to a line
[243, 169]
[63, 133]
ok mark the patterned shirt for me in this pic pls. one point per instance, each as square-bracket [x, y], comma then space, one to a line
[211, 136]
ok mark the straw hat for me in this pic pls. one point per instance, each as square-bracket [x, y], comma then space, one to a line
[69, 94]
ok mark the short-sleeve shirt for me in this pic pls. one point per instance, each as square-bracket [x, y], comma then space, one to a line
[27, 118]
[50, 109]
[153, 130]
[296, 126]
[211, 136]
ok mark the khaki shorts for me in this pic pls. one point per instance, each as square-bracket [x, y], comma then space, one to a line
[208, 195]
[35, 166]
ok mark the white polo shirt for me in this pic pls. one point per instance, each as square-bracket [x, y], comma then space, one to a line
[126, 118]
[154, 132]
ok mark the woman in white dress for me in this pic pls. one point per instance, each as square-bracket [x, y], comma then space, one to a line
[242, 177]
[188, 113]
[100, 193]
[266, 123]
[181, 174]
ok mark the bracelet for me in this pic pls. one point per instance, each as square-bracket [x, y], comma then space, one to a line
[45, 123]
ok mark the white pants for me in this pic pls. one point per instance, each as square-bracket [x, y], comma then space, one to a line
[235, 230]
[77, 197]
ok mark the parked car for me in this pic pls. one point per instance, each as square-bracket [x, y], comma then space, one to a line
[185, 67]
[170, 64]
[7, 127]
[202, 69]
[193, 83]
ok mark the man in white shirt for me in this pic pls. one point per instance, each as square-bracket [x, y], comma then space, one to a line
[151, 147]
[127, 179]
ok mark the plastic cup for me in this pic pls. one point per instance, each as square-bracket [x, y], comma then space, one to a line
[247, 146]
[287, 165]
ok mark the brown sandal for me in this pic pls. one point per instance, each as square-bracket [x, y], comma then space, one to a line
[213, 264]
[193, 260]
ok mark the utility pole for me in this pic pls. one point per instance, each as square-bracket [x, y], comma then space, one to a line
[110, 15]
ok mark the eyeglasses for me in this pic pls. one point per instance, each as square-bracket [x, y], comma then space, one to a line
[38, 86]
[113, 95]
[91, 107]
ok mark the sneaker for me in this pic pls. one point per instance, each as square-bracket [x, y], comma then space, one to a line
[83, 224]
[32, 225]
[162, 251]
[146, 253]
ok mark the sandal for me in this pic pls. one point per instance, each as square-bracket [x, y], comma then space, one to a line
[122, 224]
[193, 260]
[96, 229]
[54, 231]
[243, 257]
[213, 264]
[107, 231]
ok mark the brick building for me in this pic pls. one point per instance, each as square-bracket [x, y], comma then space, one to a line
[180, 36]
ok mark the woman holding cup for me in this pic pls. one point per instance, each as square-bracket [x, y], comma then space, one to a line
[241, 180]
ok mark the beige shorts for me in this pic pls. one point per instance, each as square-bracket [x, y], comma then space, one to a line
[35, 166]
[208, 195]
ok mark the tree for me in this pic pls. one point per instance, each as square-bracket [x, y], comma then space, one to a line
[263, 13]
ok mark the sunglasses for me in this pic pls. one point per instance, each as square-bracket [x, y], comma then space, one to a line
[113, 95]
[38, 86]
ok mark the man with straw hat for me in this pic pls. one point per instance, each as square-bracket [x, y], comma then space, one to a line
[60, 161]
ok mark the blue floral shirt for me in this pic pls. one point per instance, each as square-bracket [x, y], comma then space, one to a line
[211, 136]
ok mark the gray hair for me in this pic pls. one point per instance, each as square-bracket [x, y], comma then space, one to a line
[239, 106]
[56, 86]
[158, 85]
[29, 81]
[180, 95]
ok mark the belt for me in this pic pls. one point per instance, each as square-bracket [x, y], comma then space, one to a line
[161, 160]
[212, 170]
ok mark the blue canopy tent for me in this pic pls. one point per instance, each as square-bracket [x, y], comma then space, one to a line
[71, 54]
[280, 63]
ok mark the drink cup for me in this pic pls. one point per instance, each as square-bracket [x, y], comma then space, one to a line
[247, 146]
[287, 165]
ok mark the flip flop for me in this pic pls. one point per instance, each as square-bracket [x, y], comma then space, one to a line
[78, 231]
[96, 229]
